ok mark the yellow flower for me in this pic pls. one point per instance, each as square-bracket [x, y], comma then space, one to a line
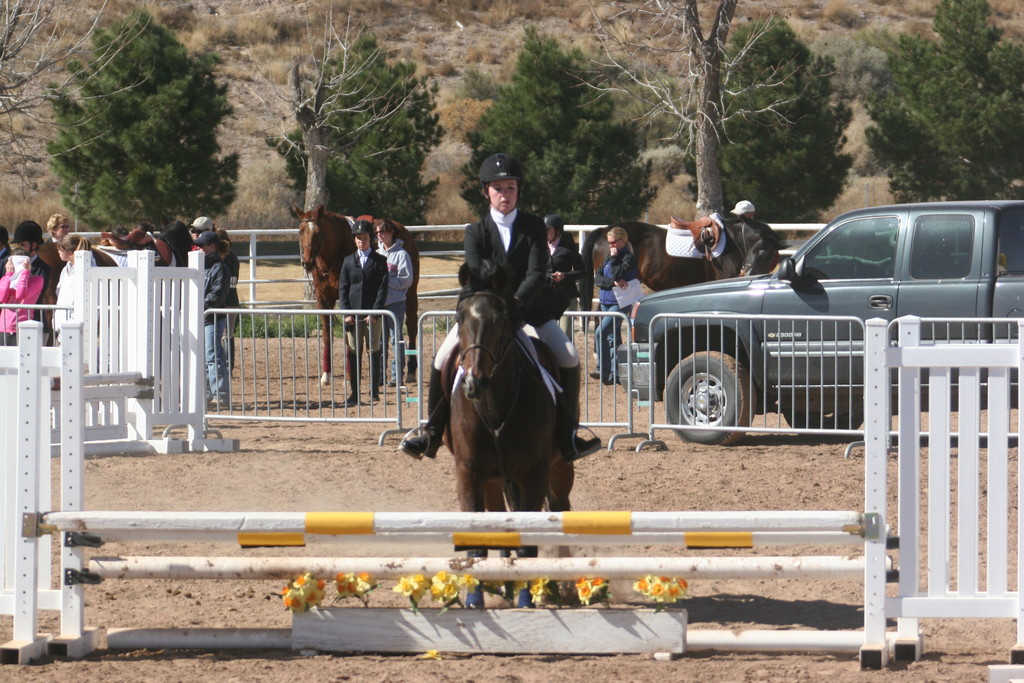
[431, 654]
[468, 581]
[413, 587]
[538, 590]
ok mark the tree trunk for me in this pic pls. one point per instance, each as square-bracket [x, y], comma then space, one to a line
[315, 141]
[315, 136]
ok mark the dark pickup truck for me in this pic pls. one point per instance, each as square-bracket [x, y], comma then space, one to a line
[791, 343]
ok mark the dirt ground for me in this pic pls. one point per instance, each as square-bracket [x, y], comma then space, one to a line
[340, 467]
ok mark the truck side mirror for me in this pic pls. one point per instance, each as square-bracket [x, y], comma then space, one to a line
[787, 270]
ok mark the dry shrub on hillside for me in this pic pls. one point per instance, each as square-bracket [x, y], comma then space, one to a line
[264, 197]
[448, 207]
[461, 115]
[842, 13]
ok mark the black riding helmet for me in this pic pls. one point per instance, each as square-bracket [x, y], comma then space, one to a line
[28, 231]
[553, 220]
[500, 167]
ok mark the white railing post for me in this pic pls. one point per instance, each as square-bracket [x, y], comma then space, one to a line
[32, 435]
[874, 652]
[141, 351]
[194, 351]
[1017, 653]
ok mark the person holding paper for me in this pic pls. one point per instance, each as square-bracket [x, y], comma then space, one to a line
[619, 290]
[17, 286]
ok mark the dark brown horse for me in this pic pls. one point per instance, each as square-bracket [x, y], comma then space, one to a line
[751, 248]
[502, 427]
[325, 239]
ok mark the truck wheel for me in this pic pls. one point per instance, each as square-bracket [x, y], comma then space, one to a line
[709, 388]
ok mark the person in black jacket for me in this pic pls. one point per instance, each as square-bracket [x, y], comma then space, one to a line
[215, 295]
[566, 269]
[363, 286]
[516, 240]
[233, 265]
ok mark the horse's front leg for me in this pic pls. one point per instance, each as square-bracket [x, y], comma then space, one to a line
[327, 332]
[471, 488]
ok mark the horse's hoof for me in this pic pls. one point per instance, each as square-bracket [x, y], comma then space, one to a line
[475, 599]
[325, 379]
[524, 599]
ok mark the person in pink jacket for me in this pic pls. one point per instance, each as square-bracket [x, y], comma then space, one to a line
[17, 286]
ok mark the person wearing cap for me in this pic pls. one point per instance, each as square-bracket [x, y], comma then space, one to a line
[58, 226]
[363, 286]
[201, 225]
[516, 240]
[566, 269]
[743, 209]
[215, 295]
[17, 286]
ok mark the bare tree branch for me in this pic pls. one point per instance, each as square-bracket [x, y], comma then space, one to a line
[38, 38]
[330, 79]
[677, 72]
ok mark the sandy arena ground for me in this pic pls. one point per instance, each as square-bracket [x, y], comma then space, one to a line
[325, 467]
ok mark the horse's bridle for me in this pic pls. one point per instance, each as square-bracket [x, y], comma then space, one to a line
[314, 245]
[497, 358]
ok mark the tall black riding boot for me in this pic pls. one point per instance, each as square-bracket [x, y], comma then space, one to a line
[376, 374]
[352, 368]
[572, 446]
[433, 432]
[353, 397]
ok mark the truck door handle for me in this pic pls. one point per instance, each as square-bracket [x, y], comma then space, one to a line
[882, 301]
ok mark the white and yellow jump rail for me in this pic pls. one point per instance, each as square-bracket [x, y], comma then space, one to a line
[970, 553]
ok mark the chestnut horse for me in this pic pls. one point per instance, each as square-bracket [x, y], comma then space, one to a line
[502, 426]
[325, 239]
[751, 248]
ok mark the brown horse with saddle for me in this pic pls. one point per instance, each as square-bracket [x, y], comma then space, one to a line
[751, 248]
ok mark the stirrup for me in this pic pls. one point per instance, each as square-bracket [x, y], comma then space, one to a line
[594, 446]
[408, 449]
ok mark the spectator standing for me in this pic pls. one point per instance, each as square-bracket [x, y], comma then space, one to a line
[67, 294]
[744, 209]
[566, 269]
[617, 270]
[18, 285]
[399, 281]
[364, 285]
[29, 236]
[215, 295]
[58, 226]
[234, 267]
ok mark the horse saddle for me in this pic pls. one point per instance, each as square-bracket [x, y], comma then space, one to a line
[139, 239]
[705, 231]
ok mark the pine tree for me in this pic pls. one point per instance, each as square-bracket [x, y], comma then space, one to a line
[138, 137]
[579, 162]
[951, 129]
[378, 132]
[782, 146]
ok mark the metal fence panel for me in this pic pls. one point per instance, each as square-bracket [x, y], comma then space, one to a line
[274, 359]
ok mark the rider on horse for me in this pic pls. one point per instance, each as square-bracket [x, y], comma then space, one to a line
[516, 239]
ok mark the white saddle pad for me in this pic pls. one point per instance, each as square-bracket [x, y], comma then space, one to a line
[680, 243]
